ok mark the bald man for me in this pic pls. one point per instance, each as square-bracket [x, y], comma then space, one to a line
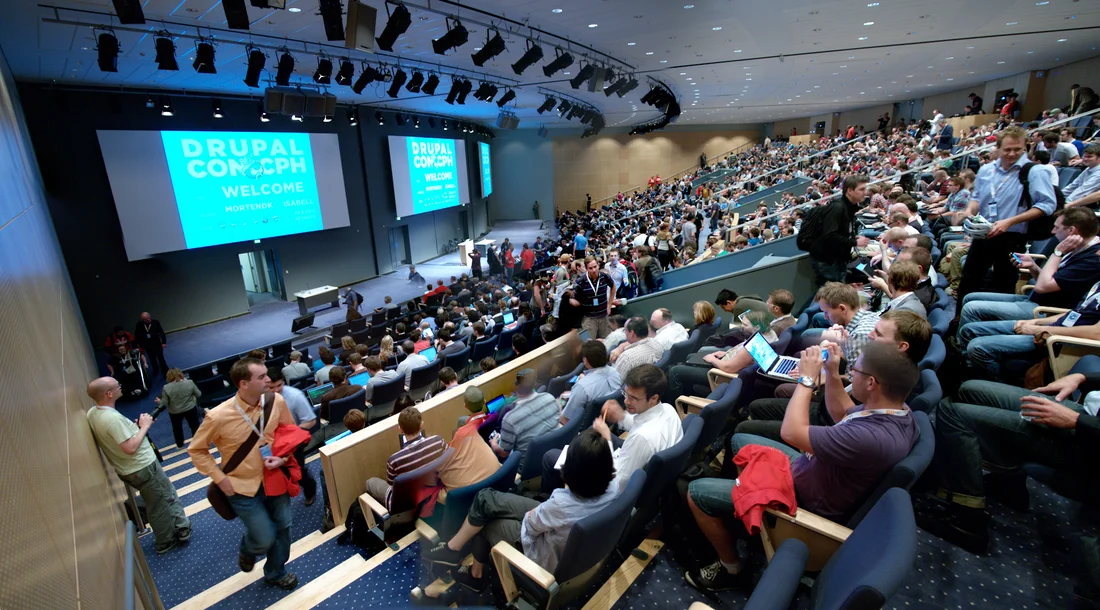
[126, 449]
[150, 336]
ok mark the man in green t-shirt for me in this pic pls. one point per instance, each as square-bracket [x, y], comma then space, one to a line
[123, 443]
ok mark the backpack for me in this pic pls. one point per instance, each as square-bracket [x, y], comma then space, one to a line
[357, 532]
[811, 229]
[1041, 228]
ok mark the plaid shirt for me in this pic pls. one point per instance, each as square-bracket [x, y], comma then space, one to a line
[858, 330]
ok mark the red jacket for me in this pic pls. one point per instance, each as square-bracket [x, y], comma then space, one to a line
[285, 480]
[765, 482]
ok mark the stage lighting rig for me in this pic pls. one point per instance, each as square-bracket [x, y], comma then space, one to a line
[108, 49]
[493, 46]
[429, 86]
[398, 24]
[562, 61]
[285, 68]
[456, 36]
[415, 83]
[166, 52]
[323, 75]
[204, 57]
[347, 71]
[399, 79]
[507, 97]
[532, 55]
[547, 105]
[582, 77]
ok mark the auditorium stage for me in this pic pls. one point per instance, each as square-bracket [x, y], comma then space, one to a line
[268, 323]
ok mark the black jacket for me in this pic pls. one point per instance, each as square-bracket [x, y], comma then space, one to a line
[838, 231]
[155, 338]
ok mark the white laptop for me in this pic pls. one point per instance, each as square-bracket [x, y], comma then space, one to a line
[771, 364]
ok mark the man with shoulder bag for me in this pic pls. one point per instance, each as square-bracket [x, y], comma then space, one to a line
[242, 428]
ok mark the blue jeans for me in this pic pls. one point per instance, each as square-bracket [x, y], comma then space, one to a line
[985, 423]
[714, 496]
[267, 529]
[989, 344]
[987, 306]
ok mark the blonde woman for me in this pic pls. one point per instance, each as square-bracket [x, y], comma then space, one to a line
[347, 344]
[386, 350]
[704, 314]
[180, 398]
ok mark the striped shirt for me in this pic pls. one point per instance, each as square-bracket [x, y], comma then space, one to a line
[416, 453]
[593, 294]
[528, 418]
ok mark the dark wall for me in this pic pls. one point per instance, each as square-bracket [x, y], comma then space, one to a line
[197, 286]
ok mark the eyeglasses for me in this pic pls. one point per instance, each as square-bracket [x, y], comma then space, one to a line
[864, 373]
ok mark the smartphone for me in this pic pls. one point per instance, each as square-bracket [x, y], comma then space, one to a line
[1016, 257]
[574, 379]
[861, 266]
[824, 355]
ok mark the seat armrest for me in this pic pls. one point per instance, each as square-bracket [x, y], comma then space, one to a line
[1026, 289]
[371, 508]
[505, 557]
[779, 584]
[691, 404]
[717, 377]
[1061, 359]
[814, 523]
[821, 536]
[1042, 311]
[426, 531]
[1036, 257]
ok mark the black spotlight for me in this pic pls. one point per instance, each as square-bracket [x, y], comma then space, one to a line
[533, 54]
[204, 58]
[366, 77]
[456, 86]
[482, 92]
[564, 107]
[416, 122]
[399, 79]
[400, 118]
[493, 46]
[347, 70]
[353, 116]
[430, 85]
[166, 53]
[619, 84]
[508, 96]
[218, 114]
[380, 118]
[463, 91]
[582, 77]
[285, 69]
[108, 48]
[627, 88]
[547, 106]
[398, 23]
[323, 75]
[456, 36]
[431, 122]
[256, 62]
[444, 124]
[415, 82]
[491, 93]
[561, 62]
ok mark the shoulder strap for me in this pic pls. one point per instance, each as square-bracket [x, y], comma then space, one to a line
[250, 442]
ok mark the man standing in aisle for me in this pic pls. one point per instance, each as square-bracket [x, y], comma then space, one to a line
[997, 196]
[124, 445]
[832, 239]
[594, 292]
[152, 340]
[229, 426]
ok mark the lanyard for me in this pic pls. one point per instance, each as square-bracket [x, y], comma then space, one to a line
[993, 189]
[596, 288]
[248, 420]
[870, 412]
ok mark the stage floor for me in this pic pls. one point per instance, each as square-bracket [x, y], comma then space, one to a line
[269, 322]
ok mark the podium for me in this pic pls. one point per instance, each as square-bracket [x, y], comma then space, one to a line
[317, 296]
[466, 247]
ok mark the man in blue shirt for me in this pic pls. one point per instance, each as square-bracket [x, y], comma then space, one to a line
[1085, 188]
[580, 244]
[997, 197]
[597, 380]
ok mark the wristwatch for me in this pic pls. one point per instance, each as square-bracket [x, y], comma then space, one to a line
[1058, 252]
[806, 381]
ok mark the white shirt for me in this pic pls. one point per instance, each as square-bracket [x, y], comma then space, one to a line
[651, 432]
[671, 333]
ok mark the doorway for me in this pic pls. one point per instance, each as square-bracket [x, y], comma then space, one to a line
[464, 220]
[399, 246]
[263, 281]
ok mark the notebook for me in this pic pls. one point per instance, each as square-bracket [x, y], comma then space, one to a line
[771, 363]
[316, 393]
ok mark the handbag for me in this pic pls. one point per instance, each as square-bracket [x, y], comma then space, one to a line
[214, 494]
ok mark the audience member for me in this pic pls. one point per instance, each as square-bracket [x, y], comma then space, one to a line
[340, 389]
[180, 398]
[638, 349]
[328, 359]
[412, 361]
[597, 380]
[416, 451]
[594, 294]
[152, 340]
[296, 369]
[533, 414]
[473, 460]
[377, 375]
[668, 331]
[300, 409]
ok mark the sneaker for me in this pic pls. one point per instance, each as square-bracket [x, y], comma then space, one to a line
[246, 562]
[311, 499]
[183, 535]
[287, 582]
[714, 577]
[168, 546]
[968, 532]
[441, 553]
[464, 578]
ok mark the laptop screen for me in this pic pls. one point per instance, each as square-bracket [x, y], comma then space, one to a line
[343, 434]
[761, 351]
[359, 378]
[584, 335]
[316, 393]
[508, 318]
[429, 354]
[495, 404]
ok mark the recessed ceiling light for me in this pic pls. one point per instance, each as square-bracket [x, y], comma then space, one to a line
[843, 66]
[950, 79]
[872, 4]
[683, 73]
[1013, 23]
[737, 50]
[649, 52]
[1043, 3]
[557, 10]
[863, 93]
[868, 23]
[1030, 52]
[748, 73]
[294, 9]
[1063, 39]
[863, 38]
[970, 47]
[565, 73]
[593, 25]
[930, 67]
[1000, 62]
[630, 44]
[664, 61]
[689, 6]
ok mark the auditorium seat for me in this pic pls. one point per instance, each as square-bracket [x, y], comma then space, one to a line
[382, 398]
[864, 572]
[661, 472]
[212, 385]
[943, 301]
[939, 319]
[531, 468]
[340, 407]
[302, 382]
[200, 373]
[560, 384]
[281, 348]
[590, 542]
[339, 330]
[459, 361]
[593, 408]
[714, 410]
[481, 350]
[931, 393]
[405, 498]
[709, 330]
[504, 346]
[937, 351]
[678, 353]
[446, 520]
[378, 318]
[361, 336]
[357, 325]
[422, 377]
[225, 364]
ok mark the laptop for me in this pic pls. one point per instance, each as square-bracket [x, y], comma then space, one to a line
[359, 378]
[428, 353]
[495, 404]
[584, 335]
[772, 364]
[508, 318]
[316, 393]
[343, 434]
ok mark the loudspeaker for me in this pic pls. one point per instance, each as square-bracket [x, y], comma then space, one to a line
[129, 11]
[273, 100]
[507, 121]
[236, 15]
[360, 30]
[331, 14]
[319, 105]
[595, 84]
[294, 103]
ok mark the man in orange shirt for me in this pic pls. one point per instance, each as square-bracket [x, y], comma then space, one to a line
[527, 257]
[228, 426]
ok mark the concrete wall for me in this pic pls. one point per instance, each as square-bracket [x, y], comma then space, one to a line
[523, 173]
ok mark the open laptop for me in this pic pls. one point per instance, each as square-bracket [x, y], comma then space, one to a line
[772, 364]
[495, 404]
[508, 318]
[359, 378]
[428, 353]
[316, 393]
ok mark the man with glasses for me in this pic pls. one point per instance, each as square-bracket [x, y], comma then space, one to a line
[127, 451]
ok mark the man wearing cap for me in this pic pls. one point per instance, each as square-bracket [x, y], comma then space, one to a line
[533, 414]
[473, 459]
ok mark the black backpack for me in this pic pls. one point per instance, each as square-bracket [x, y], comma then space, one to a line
[1041, 228]
[810, 231]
